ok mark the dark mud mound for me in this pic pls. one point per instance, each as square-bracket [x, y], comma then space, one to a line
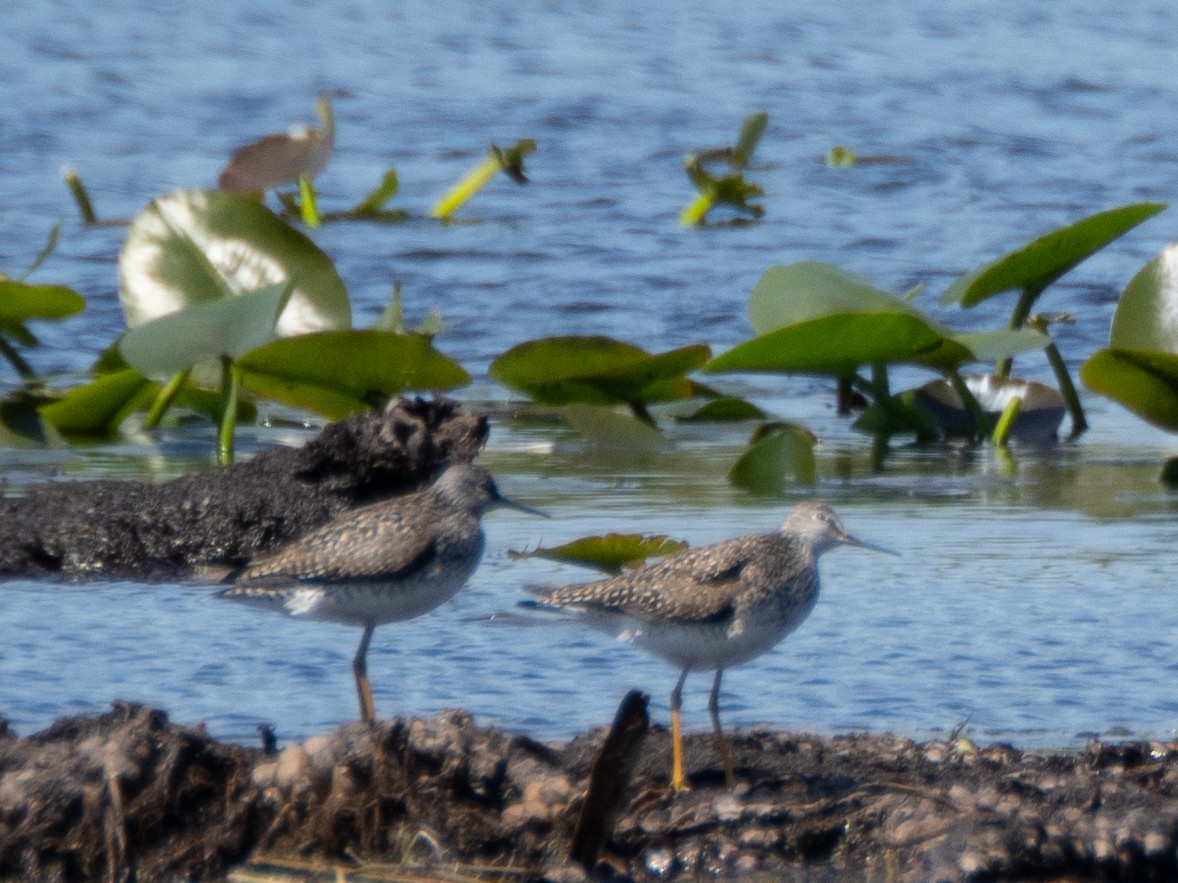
[128, 795]
[226, 516]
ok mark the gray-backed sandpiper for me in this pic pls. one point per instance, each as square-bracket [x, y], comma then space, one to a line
[713, 607]
[380, 563]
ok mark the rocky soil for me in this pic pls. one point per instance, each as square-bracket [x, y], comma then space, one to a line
[130, 796]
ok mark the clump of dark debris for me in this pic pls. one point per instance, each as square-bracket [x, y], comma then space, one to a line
[129, 795]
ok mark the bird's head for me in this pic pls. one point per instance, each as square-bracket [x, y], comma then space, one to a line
[816, 523]
[468, 485]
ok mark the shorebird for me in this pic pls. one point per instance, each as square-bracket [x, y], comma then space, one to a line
[713, 607]
[384, 562]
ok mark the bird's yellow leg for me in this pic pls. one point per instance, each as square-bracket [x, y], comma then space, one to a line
[678, 779]
[360, 669]
[721, 743]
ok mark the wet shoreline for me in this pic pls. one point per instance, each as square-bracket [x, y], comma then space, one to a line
[129, 795]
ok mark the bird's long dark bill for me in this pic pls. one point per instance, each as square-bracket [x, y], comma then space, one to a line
[852, 541]
[508, 503]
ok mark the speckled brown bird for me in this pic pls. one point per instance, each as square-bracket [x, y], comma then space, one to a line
[380, 563]
[710, 608]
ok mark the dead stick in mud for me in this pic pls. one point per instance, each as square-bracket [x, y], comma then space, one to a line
[609, 778]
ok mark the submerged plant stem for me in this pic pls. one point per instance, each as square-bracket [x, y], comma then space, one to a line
[230, 376]
[23, 368]
[164, 399]
[980, 421]
[1018, 318]
[1006, 421]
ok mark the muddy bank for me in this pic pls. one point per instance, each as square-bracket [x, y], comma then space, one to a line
[225, 516]
[129, 795]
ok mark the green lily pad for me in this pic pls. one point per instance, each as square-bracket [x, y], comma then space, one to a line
[596, 370]
[97, 408]
[20, 301]
[1039, 263]
[816, 318]
[203, 332]
[611, 553]
[724, 409]
[1146, 317]
[1144, 381]
[778, 455]
[334, 373]
[193, 246]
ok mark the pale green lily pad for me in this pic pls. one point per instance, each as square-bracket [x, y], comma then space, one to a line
[193, 246]
[335, 373]
[1146, 317]
[1140, 367]
[1039, 263]
[203, 332]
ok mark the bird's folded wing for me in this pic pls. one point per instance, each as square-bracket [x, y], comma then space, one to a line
[351, 551]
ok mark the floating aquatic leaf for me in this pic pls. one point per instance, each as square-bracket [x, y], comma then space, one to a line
[1144, 381]
[597, 370]
[611, 553]
[193, 246]
[1140, 367]
[1039, 263]
[724, 408]
[778, 455]
[813, 317]
[1146, 317]
[337, 372]
[203, 332]
[97, 408]
[20, 301]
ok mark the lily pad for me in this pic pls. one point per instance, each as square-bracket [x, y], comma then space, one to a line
[816, 318]
[97, 408]
[778, 455]
[1144, 381]
[1140, 367]
[203, 332]
[1039, 263]
[597, 370]
[193, 246]
[334, 373]
[611, 553]
[20, 301]
[724, 409]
